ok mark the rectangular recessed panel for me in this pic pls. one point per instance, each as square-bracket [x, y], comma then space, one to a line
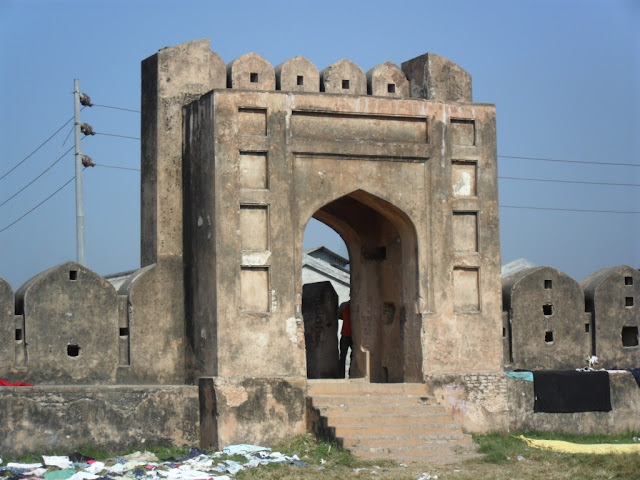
[254, 289]
[466, 290]
[463, 179]
[252, 121]
[254, 227]
[254, 170]
[465, 231]
[375, 128]
[463, 132]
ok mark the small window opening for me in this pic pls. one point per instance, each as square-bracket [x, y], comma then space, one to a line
[628, 301]
[548, 337]
[124, 332]
[73, 350]
[345, 84]
[587, 328]
[73, 274]
[628, 280]
[504, 332]
[547, 309]
[300, 80]
[253, 77]
[18, 334]
[548, 284]
[391, 87]
[629, 336]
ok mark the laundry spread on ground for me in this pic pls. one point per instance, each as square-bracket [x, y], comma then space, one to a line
[196, 465]
[594, 449]
[569, 391]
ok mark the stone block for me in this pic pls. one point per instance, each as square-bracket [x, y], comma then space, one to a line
[343, 77]
[71, 326]
[387, 80]
[251, 72]
[297, 75]
[437, 78]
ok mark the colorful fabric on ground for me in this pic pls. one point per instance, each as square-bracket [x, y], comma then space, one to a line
[593, 449]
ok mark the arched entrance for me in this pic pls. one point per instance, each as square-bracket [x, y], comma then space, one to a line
[382, 245]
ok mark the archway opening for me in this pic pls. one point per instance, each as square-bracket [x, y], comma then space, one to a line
[382, 250]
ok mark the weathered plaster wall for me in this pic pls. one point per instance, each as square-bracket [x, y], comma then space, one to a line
[478, 402]
[65, 418]
[623, 418]
[252, 410]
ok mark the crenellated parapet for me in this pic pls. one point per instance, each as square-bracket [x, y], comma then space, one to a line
[429, 76]
[550, 321]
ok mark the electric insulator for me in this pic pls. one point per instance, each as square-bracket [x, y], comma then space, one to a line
[87, 129]
[87, 162]
[85, 100]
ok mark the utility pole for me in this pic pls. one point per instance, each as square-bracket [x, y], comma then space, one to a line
[78, 157]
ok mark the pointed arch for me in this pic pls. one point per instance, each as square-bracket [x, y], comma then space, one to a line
[382, 243]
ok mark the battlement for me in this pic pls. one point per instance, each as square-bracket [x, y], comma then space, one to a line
[428, 76]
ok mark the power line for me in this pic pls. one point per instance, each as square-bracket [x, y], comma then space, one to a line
[116, 108]
[570, 161]
[114, 166]
[39, 147]
[43, 201]
[114, 135]
[32, 181]
[570, 181]
[569, 209]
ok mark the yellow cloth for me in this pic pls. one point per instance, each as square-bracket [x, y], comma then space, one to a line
[568, 447]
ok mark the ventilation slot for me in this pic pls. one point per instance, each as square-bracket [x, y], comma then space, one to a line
[391, 88]
[73, 274]
[548, 284]
[547, 309]
[345, 84]
[548, 337]
[73, 350]
[299, 80]
[253, 77]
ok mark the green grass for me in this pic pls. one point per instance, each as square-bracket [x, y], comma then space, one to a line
[506, 457]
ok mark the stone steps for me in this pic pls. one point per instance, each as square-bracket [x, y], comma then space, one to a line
[386, 421]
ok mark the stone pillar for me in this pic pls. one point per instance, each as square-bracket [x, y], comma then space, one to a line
[171, 78]
[437, 78]
[320, 312]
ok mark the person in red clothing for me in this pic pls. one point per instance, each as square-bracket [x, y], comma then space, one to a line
[346, 342]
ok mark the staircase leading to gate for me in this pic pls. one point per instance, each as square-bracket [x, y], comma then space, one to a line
[396, 421]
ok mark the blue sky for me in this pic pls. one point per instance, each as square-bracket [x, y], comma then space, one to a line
[564, 76]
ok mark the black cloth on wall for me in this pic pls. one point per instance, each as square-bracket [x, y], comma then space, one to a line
[569, 391]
